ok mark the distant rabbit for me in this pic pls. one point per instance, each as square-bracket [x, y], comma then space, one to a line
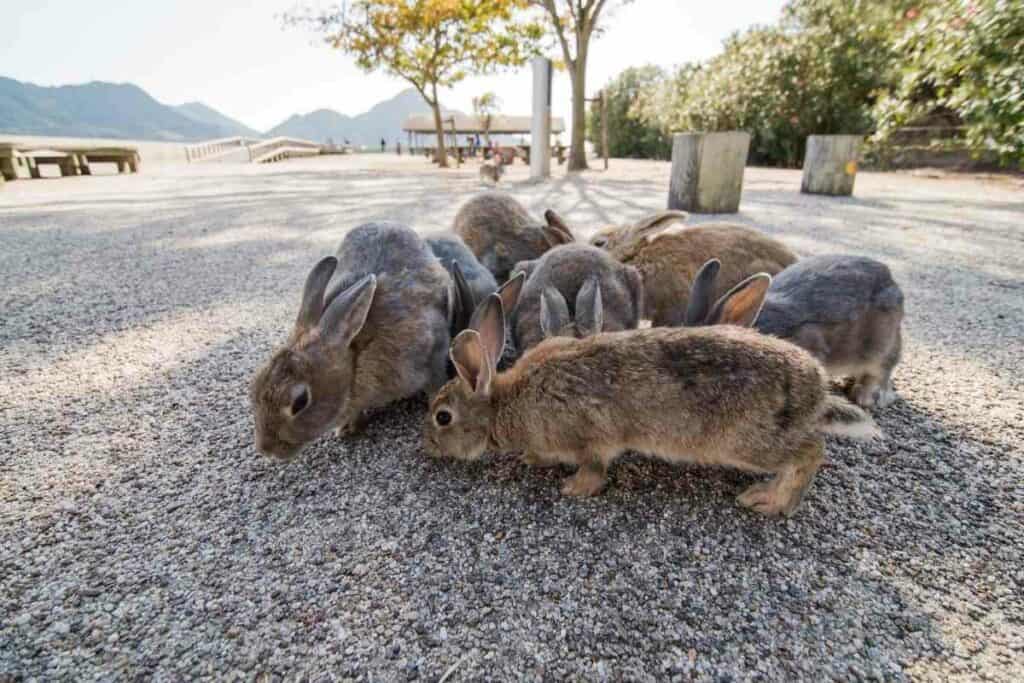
[500, 232]
[716, 395]
[379, 335]
[845, 310]
[471, 281]
[669, 260]
[575, 290]
[492, 170]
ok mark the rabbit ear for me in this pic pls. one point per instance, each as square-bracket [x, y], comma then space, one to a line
[556, 232]
[489, 321]
[554, 312]
[656, 222]
[555, 221]
[312, 305]
[471, 362]
[589, 309]
[346, 314]
[526, 268]
[700, 293]
[509, 292]
[464, 300]
[742, 304]
[636, 291]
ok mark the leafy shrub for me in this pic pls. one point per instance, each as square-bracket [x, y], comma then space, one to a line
[629, 135]
[967, 58]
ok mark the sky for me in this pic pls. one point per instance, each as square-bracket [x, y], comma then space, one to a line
[238, 57]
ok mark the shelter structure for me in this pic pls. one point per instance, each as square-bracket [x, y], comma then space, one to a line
[422, 134]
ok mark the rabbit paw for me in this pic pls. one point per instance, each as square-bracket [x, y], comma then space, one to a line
[886, 397]
[535, 460]
[765, 497]
[586, 482]
[353, 427]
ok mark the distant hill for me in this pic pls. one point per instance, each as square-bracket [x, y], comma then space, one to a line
[197, 111]
[97, 109]
[122, 110]
[383, 120]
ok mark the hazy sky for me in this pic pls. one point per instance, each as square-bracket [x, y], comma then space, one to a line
[236, 57]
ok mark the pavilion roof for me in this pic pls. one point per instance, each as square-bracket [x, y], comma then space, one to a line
[466, 123]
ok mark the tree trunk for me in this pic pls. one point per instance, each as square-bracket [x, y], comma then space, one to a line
[441, 154]
[577, 152]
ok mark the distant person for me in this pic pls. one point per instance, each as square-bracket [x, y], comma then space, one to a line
[398, 146]
[383, 145]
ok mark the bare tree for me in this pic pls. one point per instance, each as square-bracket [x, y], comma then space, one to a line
[575, 23]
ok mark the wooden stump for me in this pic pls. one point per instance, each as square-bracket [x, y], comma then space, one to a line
[830, 164]
[707, 171]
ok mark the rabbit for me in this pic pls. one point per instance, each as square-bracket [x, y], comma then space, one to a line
[471, 282]
[845, 310]
[380, 334]
[605, 295]
[500, 232]
[669, 260]
[492, 170]
[710, 395]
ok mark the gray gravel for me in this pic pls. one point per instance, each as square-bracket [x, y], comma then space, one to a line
[142, 536]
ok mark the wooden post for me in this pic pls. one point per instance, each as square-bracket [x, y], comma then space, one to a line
[830, 164]
[83, 164]
[707, 171]
[604, 127]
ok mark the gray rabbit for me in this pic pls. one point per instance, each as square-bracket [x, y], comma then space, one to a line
[500, 232]
[472, 283]
[575, 290]
[845, 310]
[379, 334]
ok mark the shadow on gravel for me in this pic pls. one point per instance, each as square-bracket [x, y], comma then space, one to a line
[418, 563]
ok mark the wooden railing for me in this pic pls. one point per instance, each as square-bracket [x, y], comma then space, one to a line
[213, 148]
[277, 149]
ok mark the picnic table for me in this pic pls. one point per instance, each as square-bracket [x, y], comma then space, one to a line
[558, 151]
[18, 160]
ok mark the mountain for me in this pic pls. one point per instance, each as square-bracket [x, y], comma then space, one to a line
[97, 109]
[319, 126]
[122, 110]
[383, 120]
[197, 111]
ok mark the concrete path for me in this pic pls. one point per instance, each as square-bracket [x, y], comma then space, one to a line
[141, 535]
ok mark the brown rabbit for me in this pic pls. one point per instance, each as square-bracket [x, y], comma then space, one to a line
[713, 395]
[500, 232]
[669, 260]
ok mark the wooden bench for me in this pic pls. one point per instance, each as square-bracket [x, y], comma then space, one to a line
[19, 161]
[557, 151]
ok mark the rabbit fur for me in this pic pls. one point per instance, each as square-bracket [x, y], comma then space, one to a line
[379, 334]
[845, 310]
[575, 290]
[668, 260]
[500, 232]
[720, 395]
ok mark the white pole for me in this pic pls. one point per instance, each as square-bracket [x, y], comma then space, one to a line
[540, 125]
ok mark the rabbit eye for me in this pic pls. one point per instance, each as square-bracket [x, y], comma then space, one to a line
[300, 402]
[600, 241]
[443, 418]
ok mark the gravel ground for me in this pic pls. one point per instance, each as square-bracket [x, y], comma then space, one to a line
[142, 536]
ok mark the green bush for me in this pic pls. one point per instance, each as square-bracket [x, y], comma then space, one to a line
[629, 135]
[966, 58]
[817, 71]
